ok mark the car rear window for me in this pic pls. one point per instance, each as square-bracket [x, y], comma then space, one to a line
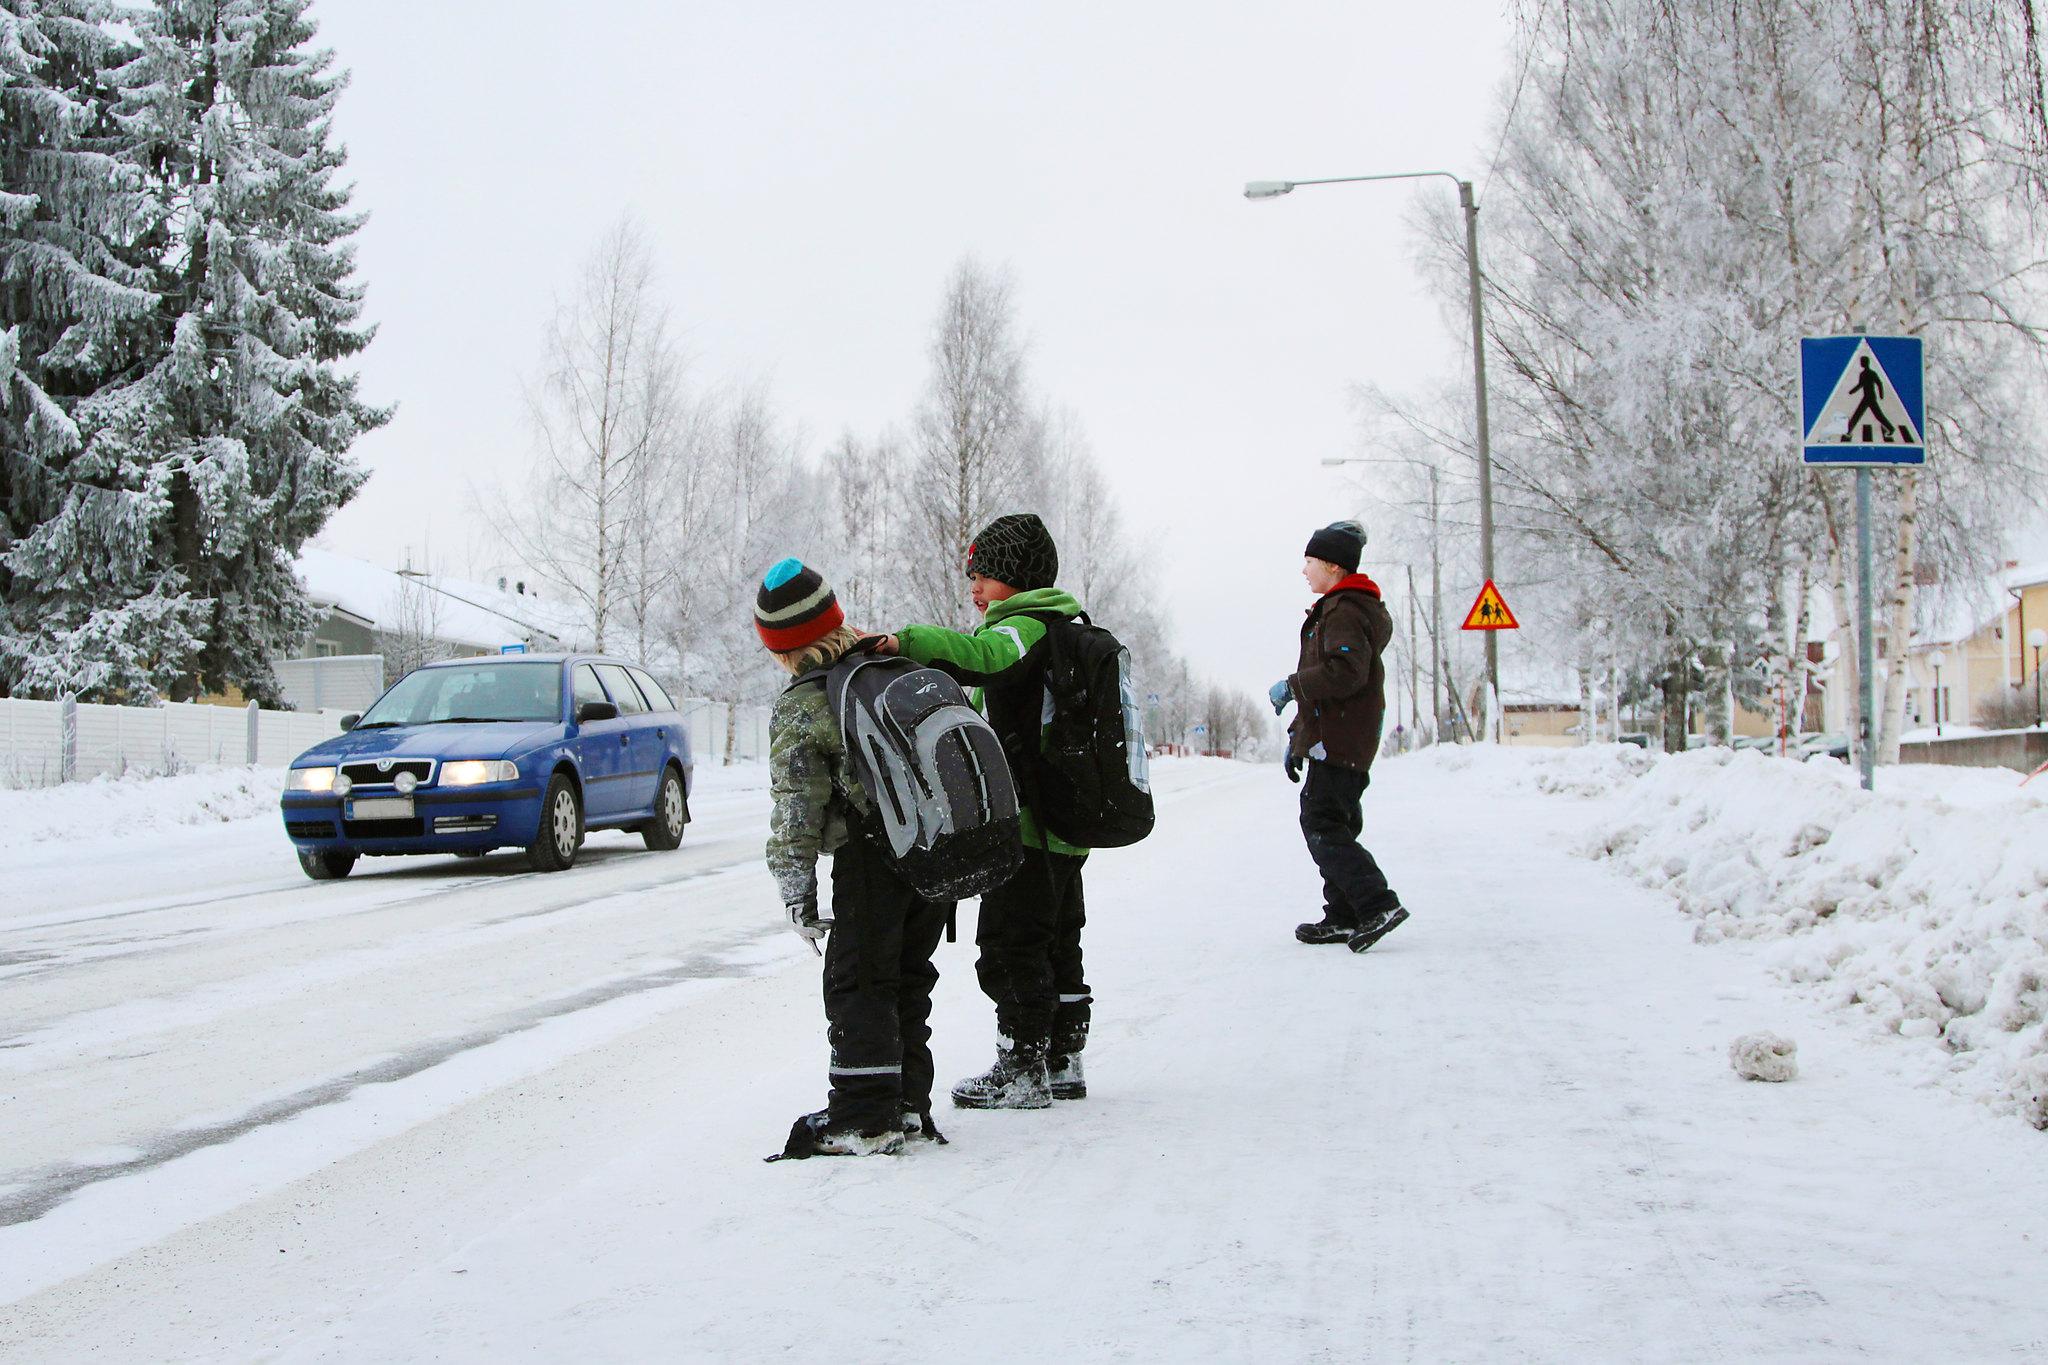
[620, 684]
[656, 697]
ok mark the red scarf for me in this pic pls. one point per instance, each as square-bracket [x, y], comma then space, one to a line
[1356, 582]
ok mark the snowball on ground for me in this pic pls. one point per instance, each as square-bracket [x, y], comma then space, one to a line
[1764, 1057]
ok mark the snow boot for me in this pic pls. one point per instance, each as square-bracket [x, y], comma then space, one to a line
[1018, 1080]
[1378, 929]
[1324, 930]
[816, 1135]
[920, 1128]
[1063, 1062]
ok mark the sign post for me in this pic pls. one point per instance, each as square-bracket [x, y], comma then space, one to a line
[1490, 613]
[1863, 405]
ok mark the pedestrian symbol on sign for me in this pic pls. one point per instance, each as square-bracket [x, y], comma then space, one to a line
[1861, 398]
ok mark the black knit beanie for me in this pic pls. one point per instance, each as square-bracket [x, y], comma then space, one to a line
[1017, 550]
[1341, 543]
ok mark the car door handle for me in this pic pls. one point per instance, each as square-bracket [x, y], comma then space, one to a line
[625, 739]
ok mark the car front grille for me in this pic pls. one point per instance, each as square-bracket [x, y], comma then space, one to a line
[464, 824]
[309, 829]
[373, 775]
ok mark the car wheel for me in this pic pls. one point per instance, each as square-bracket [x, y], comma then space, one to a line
[561, 828]
[671, 814]
[326, 865]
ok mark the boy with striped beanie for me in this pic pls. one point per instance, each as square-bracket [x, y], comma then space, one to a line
[878, 958]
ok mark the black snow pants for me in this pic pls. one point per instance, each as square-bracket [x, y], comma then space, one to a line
[1354, 888]
[1029, 933]
[878, 988]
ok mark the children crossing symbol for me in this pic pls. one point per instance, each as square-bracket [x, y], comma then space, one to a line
[1490, 611]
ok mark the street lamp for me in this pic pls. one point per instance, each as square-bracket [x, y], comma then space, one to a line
[1436, 575]
[2037, 638]
[1273, 189]
[1936, 660]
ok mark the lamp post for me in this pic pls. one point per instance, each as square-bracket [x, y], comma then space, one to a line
[2037, 637]
[1936, 660]
[1273, 189]
[1436, 577]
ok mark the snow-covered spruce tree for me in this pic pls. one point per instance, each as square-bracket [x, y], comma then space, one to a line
[237, 434]
[85, 606]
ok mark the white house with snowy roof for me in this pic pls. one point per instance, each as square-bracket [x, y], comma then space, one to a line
[373, 624]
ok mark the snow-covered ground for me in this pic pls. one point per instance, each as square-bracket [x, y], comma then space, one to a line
[454, 1111]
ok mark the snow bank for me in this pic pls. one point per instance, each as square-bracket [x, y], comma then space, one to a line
[1924, 905]
[105, 805]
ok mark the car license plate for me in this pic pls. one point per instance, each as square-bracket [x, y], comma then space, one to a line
[381, 808]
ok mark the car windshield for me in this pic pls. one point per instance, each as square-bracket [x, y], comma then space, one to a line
[470, 692]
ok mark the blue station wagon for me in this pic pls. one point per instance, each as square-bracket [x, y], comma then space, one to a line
[518, 751]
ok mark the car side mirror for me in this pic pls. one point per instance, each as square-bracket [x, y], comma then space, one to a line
[596, 710]
[350, 721]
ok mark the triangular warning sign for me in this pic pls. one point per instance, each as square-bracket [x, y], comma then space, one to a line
[1864, 408]
[1490, 612]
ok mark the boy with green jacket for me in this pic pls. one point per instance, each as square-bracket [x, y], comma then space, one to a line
[1029, 930]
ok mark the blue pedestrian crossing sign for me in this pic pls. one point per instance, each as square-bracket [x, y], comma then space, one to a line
[1861, 401]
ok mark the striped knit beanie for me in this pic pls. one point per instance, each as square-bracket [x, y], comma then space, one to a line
[795, 607]
[1016, 550]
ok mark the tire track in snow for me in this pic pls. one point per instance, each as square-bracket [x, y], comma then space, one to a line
[30, 1195]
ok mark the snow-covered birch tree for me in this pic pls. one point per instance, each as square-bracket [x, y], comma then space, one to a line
[606, 413]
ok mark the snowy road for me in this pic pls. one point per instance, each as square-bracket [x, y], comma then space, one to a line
[445, 1110]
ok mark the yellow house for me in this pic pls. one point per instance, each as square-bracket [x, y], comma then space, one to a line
[1981, 656]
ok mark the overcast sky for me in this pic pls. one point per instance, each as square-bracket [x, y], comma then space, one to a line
[811, 172]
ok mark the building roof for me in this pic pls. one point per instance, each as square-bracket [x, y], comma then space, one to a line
[456, 611]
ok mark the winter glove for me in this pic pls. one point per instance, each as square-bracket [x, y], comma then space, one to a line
[803, 918]
[1292, 763]
[1280, 693]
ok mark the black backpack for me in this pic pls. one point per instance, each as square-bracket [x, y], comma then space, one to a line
[1092, 785]
[934, 771]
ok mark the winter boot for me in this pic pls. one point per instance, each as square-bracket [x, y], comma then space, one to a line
[1376, 929]
[1063, 1062]
[1324, 930]
[919, 1128]
[816, 1135]
[1018, 1080]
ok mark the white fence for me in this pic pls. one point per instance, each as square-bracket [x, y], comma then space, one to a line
[43, 743]
[348, 681]
[708, 721]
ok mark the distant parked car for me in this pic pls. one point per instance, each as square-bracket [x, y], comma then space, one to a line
[519, 751]
[1639, 738]
[1834, 746]
[1763, 743]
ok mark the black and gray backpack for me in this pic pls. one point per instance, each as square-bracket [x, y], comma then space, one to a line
[935, 772]
[1093, 785]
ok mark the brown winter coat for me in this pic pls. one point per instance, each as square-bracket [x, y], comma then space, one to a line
[1340, 686]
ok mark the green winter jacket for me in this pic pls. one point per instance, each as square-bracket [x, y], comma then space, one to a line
[1003, 658]
[811, 787]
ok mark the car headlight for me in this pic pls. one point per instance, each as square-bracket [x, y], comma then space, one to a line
[312, 780]
[471, 772]
[405, 782]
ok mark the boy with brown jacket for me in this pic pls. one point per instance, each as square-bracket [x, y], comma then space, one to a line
[1339, 691]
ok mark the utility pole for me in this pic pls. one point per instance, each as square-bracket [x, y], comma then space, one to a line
[1273, 189]
[1471, 207]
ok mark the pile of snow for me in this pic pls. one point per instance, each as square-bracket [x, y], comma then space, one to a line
[1764, 1057]
[78, 810]
[1924, 905]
